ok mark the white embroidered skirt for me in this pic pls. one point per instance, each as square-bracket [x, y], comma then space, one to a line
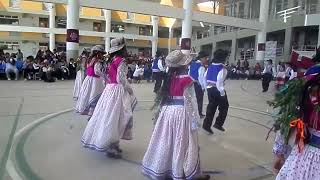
[173, 150]
[77, 85]
[301, 166]
[90, 92]
[112, 119]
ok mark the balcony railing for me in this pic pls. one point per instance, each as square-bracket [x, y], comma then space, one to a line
[305, 48]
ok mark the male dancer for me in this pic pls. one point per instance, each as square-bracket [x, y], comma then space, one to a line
[216, 75]
[197, 72]
[267, 75]
[157, 70]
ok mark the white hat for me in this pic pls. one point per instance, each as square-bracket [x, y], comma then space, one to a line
[116, 44]
[98, 48]
[177, 58]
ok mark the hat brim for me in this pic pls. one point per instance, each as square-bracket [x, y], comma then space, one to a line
[183, 62]
[116, 48]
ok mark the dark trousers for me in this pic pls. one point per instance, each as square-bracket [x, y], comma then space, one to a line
[158, 77]
[266, 79]
[199, 96]
[216, 101]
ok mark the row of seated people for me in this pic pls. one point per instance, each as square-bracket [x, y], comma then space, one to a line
[31, 69]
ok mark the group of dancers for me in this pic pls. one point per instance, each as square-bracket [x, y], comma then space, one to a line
[103, 93]
[173, 152]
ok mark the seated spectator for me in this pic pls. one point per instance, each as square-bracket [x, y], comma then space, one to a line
[28, 68]
[47, 72]
[72, 68]
[11, 67]
[130, 74]
[147, 73]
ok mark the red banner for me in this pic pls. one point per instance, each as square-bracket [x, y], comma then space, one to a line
[73, 35]
[185, 44]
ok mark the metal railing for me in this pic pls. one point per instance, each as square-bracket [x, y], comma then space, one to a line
[305, 48]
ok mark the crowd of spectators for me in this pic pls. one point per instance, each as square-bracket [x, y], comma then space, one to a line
[243, 70]
[46, 65]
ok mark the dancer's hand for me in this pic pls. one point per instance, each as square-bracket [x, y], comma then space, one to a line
[130, 91]
[277, 164]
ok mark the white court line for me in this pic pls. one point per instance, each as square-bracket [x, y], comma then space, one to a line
[11, 169]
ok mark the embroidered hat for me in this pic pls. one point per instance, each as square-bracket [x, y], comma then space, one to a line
[177, 58]
[116, 44]
[97, 48]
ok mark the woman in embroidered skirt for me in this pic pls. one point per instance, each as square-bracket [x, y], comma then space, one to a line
[81, 64]
[93, 85]
[304, 161]
[173, 151]
[112, 119]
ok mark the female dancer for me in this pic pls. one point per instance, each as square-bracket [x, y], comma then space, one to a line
[173, 151]
[93, 85]
[304, 161]
[112, 118]
[81, 64]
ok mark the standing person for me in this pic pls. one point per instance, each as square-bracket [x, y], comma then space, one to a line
[158, 72]
[93, 85]
[11, 67]
[80, 65]
[303, 161]
[290, 73]
[197, 72]
[173, 151]
[216, 75]
[19, 55]
[267, 75]
[112, 119]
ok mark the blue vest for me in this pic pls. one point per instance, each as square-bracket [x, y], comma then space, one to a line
[213, 71]
[155, 67]
[194, 70]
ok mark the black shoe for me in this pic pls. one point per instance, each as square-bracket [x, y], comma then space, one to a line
[118, 149]
[264, 91]
[114, 155]
[219, 128]
[209, 130]
[202, 177]
[202, 116]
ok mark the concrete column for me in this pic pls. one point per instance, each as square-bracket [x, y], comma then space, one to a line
[186, 27]
[107, 17]
[318, 38]
[233, 52]
[73, 8]
[52, 23]
[262, 35]
[155, 22]
[170, 38]
[287, 44]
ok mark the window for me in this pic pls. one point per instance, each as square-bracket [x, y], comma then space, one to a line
[146, 31]
[11, 20]
[97, 26]
[117, 28]
[14, 33]
[9, 45]
[43, 22]
[14, 3]
[61, 23]
[61, 47]
[43, 46]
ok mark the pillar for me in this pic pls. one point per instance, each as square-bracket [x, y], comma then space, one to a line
[52, 23]
[170, 39]
[287, 44]
[155, 21]
[185, 42]
[232, 57]
[318, 45]
[262, 35]
[72, 29]
[107, 17]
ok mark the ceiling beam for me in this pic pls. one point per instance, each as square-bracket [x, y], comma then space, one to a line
[151, 8]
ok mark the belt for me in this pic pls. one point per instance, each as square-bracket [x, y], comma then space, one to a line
[173, 102]
[314, 141]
